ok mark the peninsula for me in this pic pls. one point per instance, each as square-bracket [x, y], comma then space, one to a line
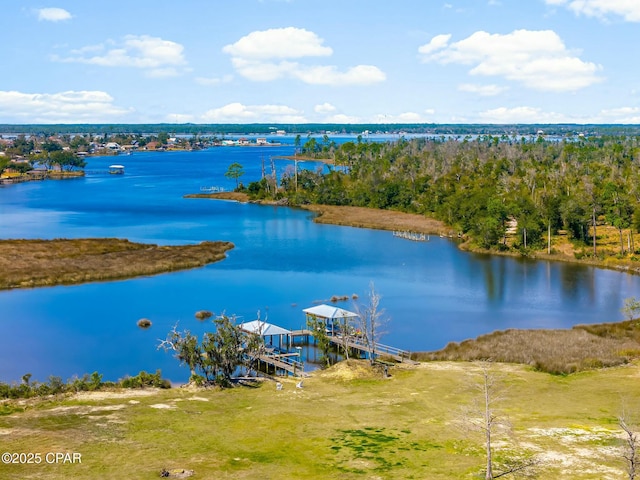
[39, 263]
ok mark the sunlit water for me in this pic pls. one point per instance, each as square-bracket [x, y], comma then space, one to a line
[283, 262]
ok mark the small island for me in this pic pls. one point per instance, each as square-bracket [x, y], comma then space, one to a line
[39, 263]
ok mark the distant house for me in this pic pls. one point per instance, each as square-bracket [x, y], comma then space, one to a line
[261, 141]
[113, 146]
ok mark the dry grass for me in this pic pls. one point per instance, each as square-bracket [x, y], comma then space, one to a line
[583, 347]
[378, 219]
[35, 263]
[236, 196]
[355, 216]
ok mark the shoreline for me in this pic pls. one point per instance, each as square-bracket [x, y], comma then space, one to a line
[46, 263]
[390, 220]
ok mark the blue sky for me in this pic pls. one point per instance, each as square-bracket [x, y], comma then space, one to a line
[309, 61]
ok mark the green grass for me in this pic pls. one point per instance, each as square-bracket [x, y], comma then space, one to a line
[404, 427]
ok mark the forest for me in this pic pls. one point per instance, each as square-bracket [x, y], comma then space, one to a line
[484, 186]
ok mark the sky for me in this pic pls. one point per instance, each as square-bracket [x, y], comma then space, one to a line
[311, 61]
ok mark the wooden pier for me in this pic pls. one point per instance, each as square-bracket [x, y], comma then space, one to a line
[357, 343]
[284, 361]
[279, 355]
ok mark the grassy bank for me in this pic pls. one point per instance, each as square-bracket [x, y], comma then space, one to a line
[353, 216]
[347, 422]
[562, 248]
[583, 347]
[36, 263]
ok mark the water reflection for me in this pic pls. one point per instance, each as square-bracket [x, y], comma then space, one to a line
[432, 292]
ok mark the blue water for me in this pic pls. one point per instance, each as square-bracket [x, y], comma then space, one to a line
[282, 263]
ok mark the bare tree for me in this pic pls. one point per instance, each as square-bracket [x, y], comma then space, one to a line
[483, 417]
[371, 320]
[185, 347]
[346, 334]
[630, 452]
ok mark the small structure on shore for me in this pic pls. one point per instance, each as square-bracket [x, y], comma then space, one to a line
[265, 330]
[278, 357]
[116, 169]
[332, 316]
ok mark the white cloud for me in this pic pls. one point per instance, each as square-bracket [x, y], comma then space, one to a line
[342, 118]
[53, 14]
[158, 57]
[273, 54]
[621, 115]
[329, 75]
[520, 115]
[405, 117]
[524, 114]
[287, 42]
[437, 43]
[324, 108]
[63, 107]
[239, 113]
[259, 71]
[482, 90]
[537, 59]
[627, 9]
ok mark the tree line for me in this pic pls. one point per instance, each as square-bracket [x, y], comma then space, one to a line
[483, 185]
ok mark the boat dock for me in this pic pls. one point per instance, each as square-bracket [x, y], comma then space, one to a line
[416, 237]
[357, 343]
[212, 189]
[287, 362]
[282, 352]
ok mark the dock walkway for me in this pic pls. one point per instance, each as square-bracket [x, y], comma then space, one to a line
[357, 343]
[283, 361]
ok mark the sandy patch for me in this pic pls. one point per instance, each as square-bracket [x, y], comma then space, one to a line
[195, 399]
[119, 395]
[162, 406]
[349, 370]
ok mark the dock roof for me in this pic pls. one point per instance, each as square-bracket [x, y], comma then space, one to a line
[263, 329]
[328, 311]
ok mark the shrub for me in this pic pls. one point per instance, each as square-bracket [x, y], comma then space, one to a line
[203, 315]
[144, 323]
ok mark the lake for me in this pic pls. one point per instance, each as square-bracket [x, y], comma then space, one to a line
[282, 263]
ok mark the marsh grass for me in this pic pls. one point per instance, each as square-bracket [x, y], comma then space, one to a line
[379, 219]
[584, 347]
[338, 426]
[36, 263]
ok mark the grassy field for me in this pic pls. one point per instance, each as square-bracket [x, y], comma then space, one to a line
[347, 422]
[36, 263]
